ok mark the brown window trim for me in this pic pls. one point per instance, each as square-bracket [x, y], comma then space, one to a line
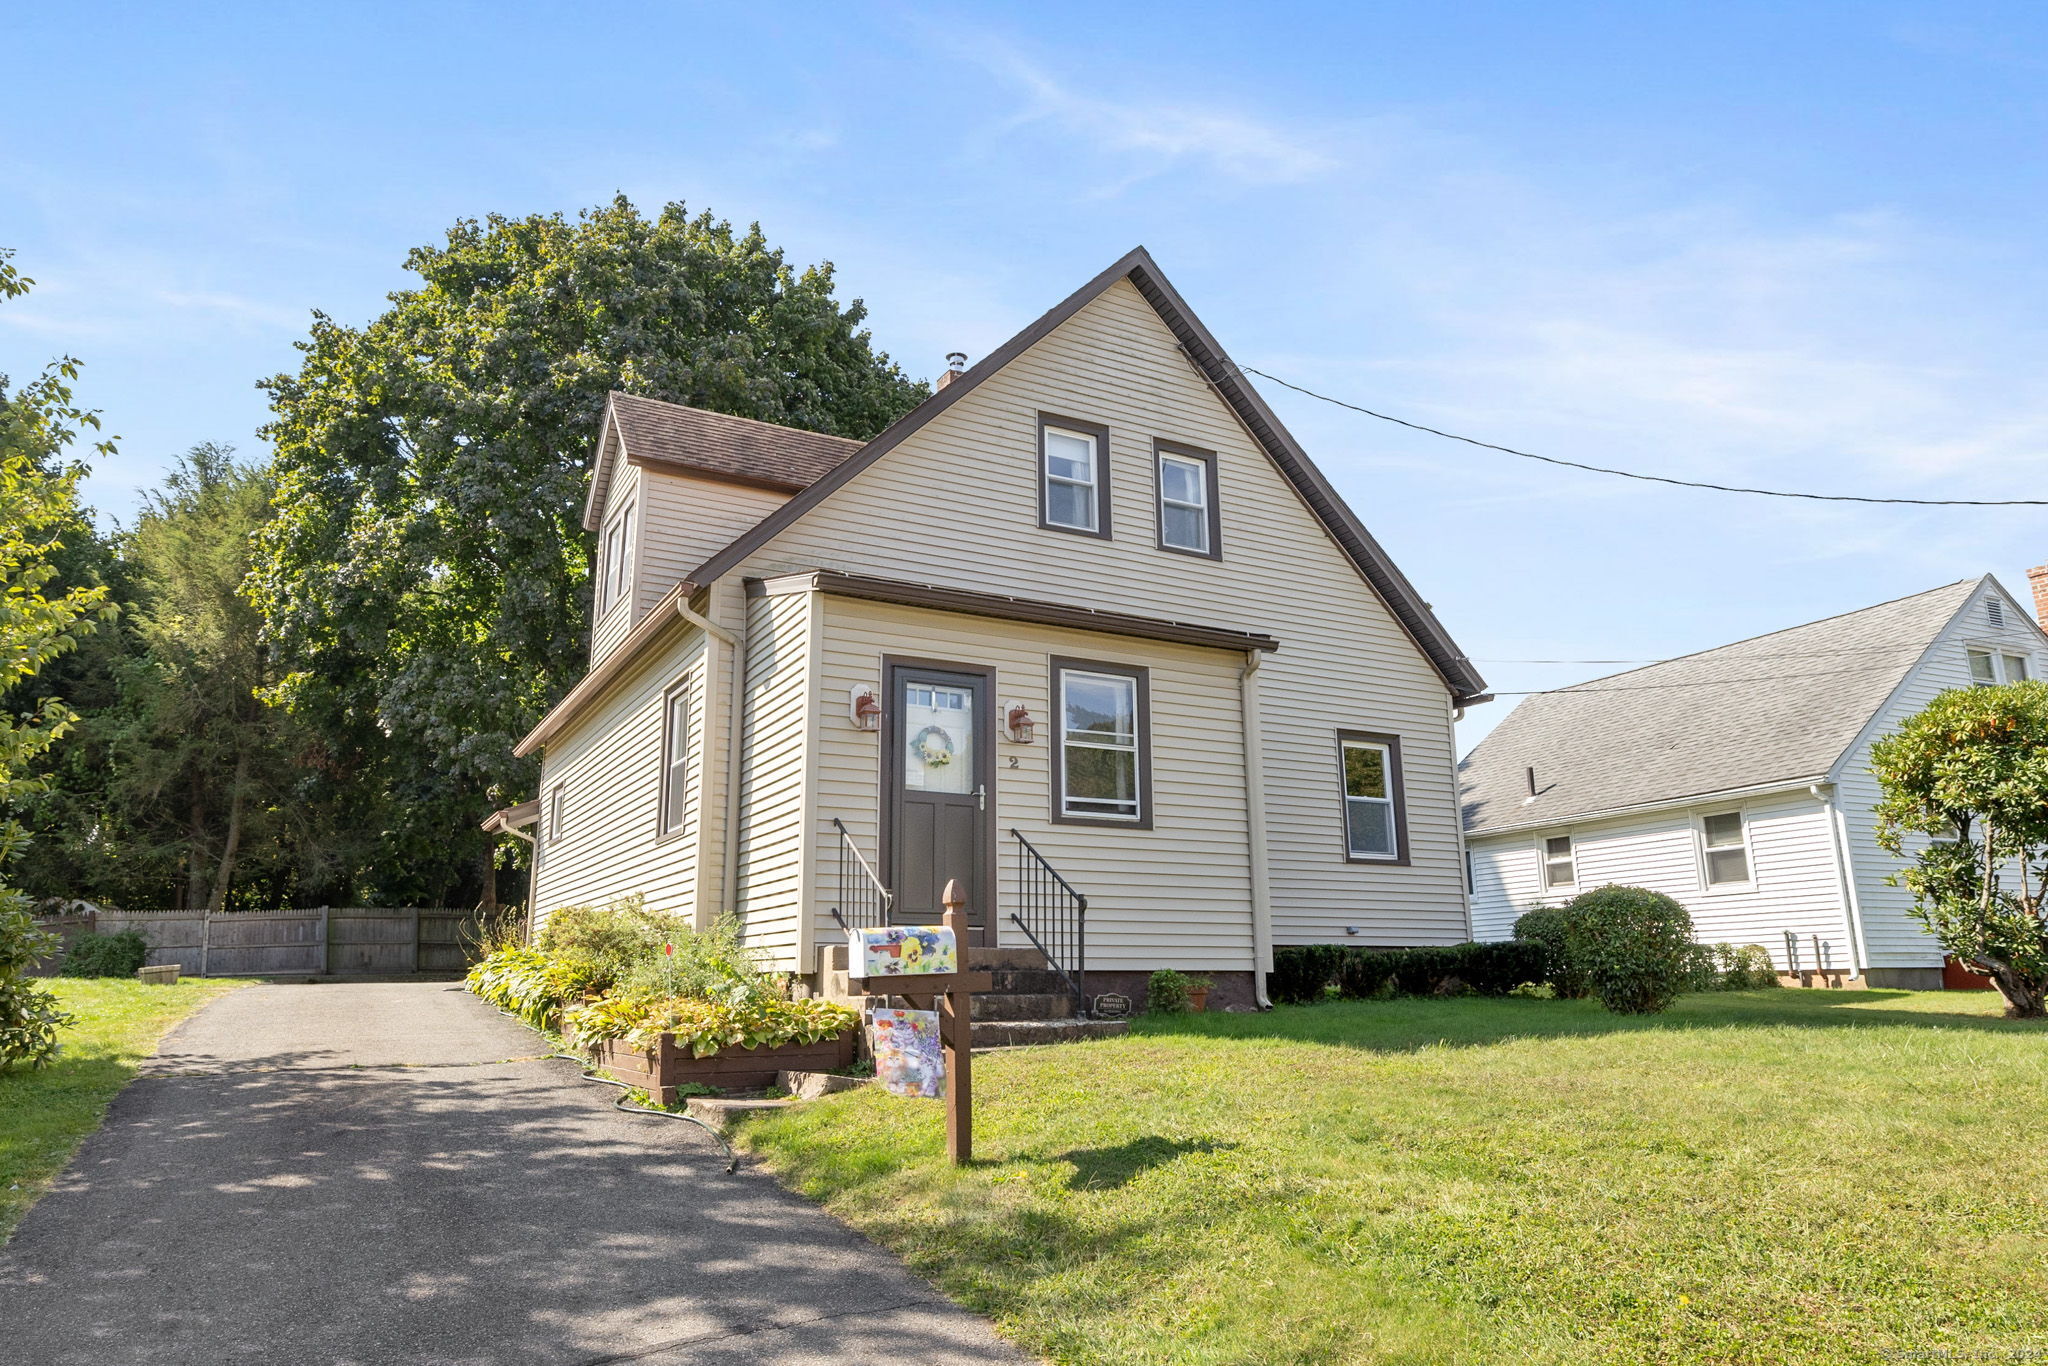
[1209, 481]
[669, 824]
[1395, 789]
[1061, 664]
[1101, 435]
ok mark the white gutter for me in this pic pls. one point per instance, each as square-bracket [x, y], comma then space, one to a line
[716, 708]
[1255, 820]
[1852, 909]
[1458, 819]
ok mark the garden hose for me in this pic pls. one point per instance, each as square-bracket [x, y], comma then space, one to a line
[622, 1104]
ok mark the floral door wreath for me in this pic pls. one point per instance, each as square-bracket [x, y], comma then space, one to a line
[933, 747]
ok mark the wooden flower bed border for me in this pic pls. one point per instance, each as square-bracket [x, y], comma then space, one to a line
[661, 1069]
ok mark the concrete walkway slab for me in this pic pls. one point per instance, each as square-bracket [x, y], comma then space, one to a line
[383, 1172]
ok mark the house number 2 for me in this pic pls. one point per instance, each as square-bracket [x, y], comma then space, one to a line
[1013, 761]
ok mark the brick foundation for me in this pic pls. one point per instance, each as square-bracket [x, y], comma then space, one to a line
[1231, 990]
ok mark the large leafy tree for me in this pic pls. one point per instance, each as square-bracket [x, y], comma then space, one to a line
[425, 581]
[1971, 771]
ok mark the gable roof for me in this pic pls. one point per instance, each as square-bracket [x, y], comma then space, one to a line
[1393, 587]
[697, 441]
[1781, 707]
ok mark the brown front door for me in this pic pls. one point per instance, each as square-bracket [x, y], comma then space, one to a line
[937, 781]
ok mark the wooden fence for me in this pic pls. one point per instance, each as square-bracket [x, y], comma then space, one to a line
[350, 939]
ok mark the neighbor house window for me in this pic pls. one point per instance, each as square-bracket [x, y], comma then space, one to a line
[1187, 499]
[2015, 668]
[615, 561]
[1374, 828]
[675, 758]
[558, 812]
[1560, 862]
[1073, 476]
[1727, 848]
[1989, 668]
[1102, 747]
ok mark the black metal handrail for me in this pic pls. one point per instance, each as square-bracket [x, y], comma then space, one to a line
[1053, 916]
[864, 903]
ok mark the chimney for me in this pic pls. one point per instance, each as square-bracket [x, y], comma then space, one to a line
[956, 361]
[2038, 576]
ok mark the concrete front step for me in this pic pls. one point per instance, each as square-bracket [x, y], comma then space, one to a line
[980, 957]
[1032, 981]
[1019, 1005]
[1020, 1033]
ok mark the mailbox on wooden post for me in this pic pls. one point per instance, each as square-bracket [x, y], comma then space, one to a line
[951, 994]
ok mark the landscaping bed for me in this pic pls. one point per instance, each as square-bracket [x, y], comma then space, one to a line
[1753, 1176]
[659, 1070]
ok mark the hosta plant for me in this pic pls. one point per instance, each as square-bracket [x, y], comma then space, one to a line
[704, 1027]
[528, 983]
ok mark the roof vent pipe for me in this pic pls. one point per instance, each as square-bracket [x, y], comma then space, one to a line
[956, 361]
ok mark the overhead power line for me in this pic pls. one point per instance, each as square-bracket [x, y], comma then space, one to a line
[1649, 478]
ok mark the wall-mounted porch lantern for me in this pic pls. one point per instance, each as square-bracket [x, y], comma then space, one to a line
[1017, 722]
[862, 708]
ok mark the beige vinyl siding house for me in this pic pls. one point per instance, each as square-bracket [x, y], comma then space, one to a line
[1219, 600]
[1758, 752]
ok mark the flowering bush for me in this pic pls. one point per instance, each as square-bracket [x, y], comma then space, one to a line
[529, 983]
[705, 1026]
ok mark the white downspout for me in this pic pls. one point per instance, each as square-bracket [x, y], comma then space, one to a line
[716, 708]
[1458, 819]
[1852, 910]
[1255, 821]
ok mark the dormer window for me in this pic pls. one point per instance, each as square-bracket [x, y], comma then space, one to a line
[1073, 476]
[615, 561]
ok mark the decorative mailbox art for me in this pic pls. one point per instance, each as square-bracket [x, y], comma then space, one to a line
[902, 951]
[908, 1059]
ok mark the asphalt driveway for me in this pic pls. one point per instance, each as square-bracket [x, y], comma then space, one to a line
[385, 1172]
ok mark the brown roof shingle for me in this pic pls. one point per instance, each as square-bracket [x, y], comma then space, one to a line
[723, 446]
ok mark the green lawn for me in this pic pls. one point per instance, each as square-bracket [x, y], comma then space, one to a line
[1782, 1176]
[45, 1114]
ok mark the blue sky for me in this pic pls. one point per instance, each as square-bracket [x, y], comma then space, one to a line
[1797, 246]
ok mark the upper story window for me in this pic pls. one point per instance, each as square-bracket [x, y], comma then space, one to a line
[1725, 841]
[1187, 499]
[615, 561]
[1073, 476]
[1560, 862]
[1102, 746]
[1989, 668]
[1374, 825]
[675, 758]
[558, 812]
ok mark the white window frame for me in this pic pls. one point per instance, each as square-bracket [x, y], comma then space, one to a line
[1139, 747]
[1544, 860]
[558, 812]
[1699, 827]
[1390, 771]
[1203, 463]
[615, 561]
[2000, 659]
[1098, 518]
[674, 803]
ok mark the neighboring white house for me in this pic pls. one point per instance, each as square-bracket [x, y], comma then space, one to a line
[1087, 621]
[1737, 781]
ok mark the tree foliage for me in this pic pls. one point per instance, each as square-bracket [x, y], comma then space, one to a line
[1971, 771]
[424, 583]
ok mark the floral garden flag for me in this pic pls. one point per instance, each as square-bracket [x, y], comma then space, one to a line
[908, 1060]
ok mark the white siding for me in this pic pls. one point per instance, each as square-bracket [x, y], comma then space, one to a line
[774, 763]
[688, 520]
[1894, 938]
[1177, 895]
[1795, 884]
[610, 761]
[956, 503]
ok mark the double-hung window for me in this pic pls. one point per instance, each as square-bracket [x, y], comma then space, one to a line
[1103, 748]
[675, 758]
[1187, 499]
[1988, 668]
[615, 561]
[1073, 476]
[1725, 846]
[1560, 862]
[1375, 828]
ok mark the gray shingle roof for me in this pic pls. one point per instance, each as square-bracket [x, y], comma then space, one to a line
[726, 447]
[1775, 707]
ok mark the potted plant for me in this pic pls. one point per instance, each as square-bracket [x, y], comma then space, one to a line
[1169, 992]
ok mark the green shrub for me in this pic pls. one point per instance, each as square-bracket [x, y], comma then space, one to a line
[627, 948]
[704, 1027]
[1304, 973]
[106, 955]
[1167, 992]
[1634, 945]
[1545, 926]
[1754, 966]
[29, 1016]
[528, 983]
